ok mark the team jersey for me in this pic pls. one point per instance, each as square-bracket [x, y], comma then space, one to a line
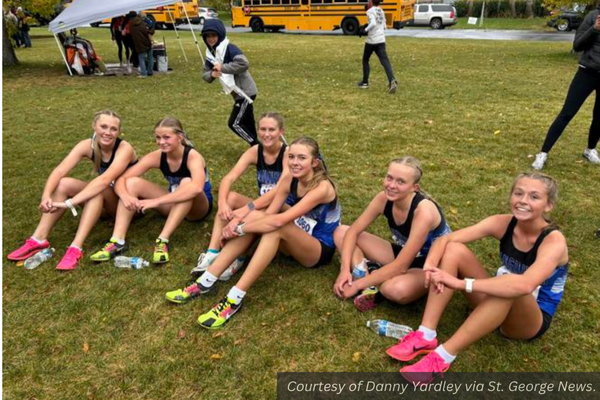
[514, 261]
[174, 178]
[401, 233]
[104, 165]
[321, 221]
[267, 175]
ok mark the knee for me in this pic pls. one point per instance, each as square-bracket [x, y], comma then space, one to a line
[134, 184]
[394, 292]
[64, 186]
[339, 234]
[235, 200]
[454, 252]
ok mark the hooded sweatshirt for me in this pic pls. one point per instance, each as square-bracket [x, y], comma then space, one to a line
[140, 34]
[587, 40]
[234, 62]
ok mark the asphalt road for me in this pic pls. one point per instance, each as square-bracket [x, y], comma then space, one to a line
[448, 33]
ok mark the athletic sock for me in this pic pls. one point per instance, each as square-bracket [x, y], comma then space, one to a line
[120, 242]
[207, 279]
[236, 295]
[38, 241]
[212, 251]
[428, 334]
[162, 239]
[447, 357]
[77, 247]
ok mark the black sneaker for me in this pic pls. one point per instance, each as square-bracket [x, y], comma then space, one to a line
[363, 85]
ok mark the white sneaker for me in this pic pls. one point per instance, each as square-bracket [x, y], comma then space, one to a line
[204, 261]
[591, 155]
[232, 269]
[540, 160]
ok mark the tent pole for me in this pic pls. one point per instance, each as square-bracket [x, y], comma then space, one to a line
[193, 34]
[178, 38]
[60, 48]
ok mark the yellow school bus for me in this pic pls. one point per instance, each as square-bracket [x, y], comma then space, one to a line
[315, 14]
[166, 17]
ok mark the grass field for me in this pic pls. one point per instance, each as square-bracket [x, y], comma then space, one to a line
[474, 112]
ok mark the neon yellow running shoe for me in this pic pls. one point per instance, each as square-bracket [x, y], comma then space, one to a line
[161, 252]
[219, 314]
[109, 251]
[195, 290]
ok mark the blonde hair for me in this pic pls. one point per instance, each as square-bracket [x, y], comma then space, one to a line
[551, 189]
[96, 151]
[277, 117]
[320, 170]
[415, 164]
[174, 124]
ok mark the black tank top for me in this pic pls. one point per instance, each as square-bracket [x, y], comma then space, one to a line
[182, 172]
[276, 166]
[267, 175]
[104, 165]
[516, 260]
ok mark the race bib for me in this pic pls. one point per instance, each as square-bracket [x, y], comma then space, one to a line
[266, 188]
[306, 224]
[173, 188]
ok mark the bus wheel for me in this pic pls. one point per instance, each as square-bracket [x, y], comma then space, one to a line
[169, 27]
[257, 25]
[350, 26]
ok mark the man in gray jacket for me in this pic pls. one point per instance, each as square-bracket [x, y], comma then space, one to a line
[226, 62]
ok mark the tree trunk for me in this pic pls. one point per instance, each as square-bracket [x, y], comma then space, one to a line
[513, 8]
[8, 52]
[470, 8]
[529, 9]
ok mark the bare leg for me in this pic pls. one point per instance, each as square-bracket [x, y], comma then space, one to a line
[367, 245]
[235, 201]
[111, 201]
[406, 288]
[232, 249]
[67, 187]
[193, 209]
[459, 261]
[89, 217]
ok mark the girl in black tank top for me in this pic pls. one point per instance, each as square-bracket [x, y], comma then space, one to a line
[62, 193]
[401, 279]
[189, 195]
[520, 304]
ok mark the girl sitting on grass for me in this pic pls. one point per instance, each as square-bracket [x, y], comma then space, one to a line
[111, 157]
[268, 157]
[303, 231]
[415, 221]
[521, 299]
[188, 194]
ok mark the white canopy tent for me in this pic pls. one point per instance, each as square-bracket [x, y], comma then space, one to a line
[84, 12]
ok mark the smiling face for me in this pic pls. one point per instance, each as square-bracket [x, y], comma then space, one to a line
[269, 131]
[211, 38]
[107, 129]
[301, 161]
[167, 139]
[529, 199]
[399, 181]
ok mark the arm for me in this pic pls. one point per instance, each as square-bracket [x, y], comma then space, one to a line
[373, 210]
[250, 157]
[426, 218]
[238, 65]
[149, 161]
[587, 32]
[372, 21]
[78, 153]
[207, 74]
[185, 192]
[552, 252]
[122, 159]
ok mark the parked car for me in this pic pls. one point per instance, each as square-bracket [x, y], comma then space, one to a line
[207, 13]
[437, 16]
[567, 19]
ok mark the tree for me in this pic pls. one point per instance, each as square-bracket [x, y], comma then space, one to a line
[557, 4]
[8, 53]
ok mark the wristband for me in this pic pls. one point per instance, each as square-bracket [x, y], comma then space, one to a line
[69, 203]
[251, 206]
[469, 285]
[240, 229]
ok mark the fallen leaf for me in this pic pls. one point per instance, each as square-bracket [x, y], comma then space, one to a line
[181, 334]
[218, 334]
[86, 347]
[428, 122]
[216, 357]
[453, 210]
[497, 132]
[238, 341]
[356, 356]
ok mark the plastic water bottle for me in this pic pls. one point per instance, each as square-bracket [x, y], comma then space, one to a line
[359, 270]
[35, 260]
[130, 262]
[389, 329]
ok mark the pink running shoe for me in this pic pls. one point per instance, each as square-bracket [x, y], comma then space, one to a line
[426, 370]
[27, 250]
[70, 260]
[411, 346]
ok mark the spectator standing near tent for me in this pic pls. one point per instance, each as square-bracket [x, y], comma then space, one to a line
[140, 34]
[24, 27]
[375, 43]
[227, 62]
[116, 34]
[128, 41]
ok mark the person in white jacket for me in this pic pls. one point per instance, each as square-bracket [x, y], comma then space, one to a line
[375, 43]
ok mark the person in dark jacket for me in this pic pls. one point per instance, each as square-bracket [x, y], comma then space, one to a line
[140, 34]
[226, 62]
[586, 81]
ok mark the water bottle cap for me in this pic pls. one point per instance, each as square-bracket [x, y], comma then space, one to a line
[368, 324]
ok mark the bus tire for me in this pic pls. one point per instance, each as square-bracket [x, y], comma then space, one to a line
[257, 25]
[350, 26]
[169, 27]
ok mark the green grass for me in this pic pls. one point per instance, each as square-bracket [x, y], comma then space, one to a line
[473, 111]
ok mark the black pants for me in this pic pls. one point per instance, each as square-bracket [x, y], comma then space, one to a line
[241, 121]
[120, 45]
[133, 58]
[584, 83]
[378, 49]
